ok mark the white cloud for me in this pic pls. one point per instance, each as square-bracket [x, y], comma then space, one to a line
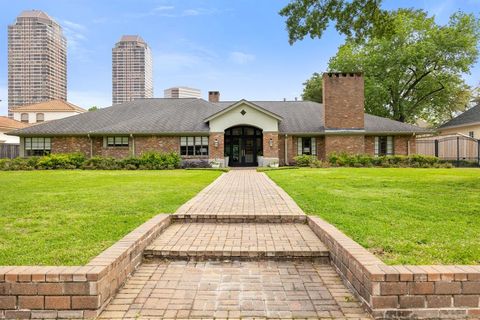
[241, 57]
[76, 39]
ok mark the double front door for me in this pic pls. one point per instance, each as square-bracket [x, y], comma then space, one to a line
[243, 145]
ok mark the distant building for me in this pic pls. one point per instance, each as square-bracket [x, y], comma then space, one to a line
[132, 70]
[46, 111]
[467, 123]
[6, 125]
[37, 60]
[182, 92]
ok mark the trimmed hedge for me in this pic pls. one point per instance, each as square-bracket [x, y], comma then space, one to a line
[147, 161]
[365, 161]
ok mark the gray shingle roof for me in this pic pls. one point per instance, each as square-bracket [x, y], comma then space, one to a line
[176, 116]
[470, 116]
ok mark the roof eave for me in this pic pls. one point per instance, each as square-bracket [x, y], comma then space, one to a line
[234, 105]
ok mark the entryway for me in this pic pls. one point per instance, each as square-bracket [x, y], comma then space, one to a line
[243, 145]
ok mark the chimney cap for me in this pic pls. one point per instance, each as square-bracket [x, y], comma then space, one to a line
[343, 74]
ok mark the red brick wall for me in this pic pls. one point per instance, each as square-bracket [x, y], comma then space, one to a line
[216, 153]
[114, 152]
[156, 143]
[343, 99]
[71, 145]
[354, 144]
[400, 145]
[270, 152]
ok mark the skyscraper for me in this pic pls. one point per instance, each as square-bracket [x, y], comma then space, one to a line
[132, 70]
[37, 60]
[182, 92]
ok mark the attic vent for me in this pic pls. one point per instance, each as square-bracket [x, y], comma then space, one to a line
[243, 112]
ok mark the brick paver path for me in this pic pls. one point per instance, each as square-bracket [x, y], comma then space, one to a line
[210, 240]
[187, 286]
[242, 192]
[182, 289]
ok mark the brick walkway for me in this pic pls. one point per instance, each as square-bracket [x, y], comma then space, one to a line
[256, 270]
[244, 193]
[235, 290]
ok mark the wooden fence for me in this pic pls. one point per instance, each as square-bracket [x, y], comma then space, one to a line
[458, 148]
[9, 150]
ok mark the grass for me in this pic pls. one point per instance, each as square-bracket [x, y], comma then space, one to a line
[68, 217]
[405, 216]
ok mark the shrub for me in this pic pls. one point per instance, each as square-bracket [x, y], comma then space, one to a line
[61, 161]
[413, 161]
[193, 164]
[158, 161]
[100, 163]
[19, 163]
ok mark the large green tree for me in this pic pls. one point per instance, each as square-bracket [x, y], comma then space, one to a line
[415, 71]
[312, 88]
[357, 19]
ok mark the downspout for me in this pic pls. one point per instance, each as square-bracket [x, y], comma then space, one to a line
[286, 150]
[91, 145]
[133, 144]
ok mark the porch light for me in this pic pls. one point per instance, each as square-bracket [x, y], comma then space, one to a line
[270, 142]
[215, 143]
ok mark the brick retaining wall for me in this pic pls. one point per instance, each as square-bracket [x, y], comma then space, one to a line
[30, 292]
[401, 292]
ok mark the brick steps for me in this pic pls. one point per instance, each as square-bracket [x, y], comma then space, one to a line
[238, 241]
[241, 218]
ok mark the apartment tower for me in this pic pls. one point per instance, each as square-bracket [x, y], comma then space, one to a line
[182, 92]
[132, 70]
[37, 60]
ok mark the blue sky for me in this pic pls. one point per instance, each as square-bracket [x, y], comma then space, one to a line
[237, 47]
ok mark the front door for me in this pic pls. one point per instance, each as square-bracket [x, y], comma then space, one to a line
[243, 145]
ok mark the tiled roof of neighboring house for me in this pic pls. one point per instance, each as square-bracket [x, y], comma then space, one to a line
[10, 124]
[176, 116]
[471, 116]
[52, 105]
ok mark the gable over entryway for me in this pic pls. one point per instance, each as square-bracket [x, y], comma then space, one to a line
[243, 149]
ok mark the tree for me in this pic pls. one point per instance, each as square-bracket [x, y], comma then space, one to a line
[356, 19]
[415, 71]
[93, 108]
[312, 88]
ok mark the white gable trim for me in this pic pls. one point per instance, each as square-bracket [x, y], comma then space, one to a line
[244, 102]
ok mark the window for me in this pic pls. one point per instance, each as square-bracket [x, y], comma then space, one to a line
[384, 146]
[24, 117]
[307, 145]
[194, 146]
[117, 141]
[40, 117]
[37, 146]
[471, 134]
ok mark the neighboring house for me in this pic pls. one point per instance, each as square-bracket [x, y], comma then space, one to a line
[6, 125]
[46, 111]
[467, 123]
[245, 132]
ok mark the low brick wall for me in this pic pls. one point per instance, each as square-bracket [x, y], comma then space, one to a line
[79, 291]
[401, 292]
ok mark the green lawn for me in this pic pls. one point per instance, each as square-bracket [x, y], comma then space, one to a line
[405, 216]
[68, 217]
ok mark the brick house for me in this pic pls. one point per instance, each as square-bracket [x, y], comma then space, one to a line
[240, 133]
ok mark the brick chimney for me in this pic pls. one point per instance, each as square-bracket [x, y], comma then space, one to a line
[213, 96]
[343, 100]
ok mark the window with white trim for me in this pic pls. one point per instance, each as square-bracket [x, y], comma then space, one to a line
[471, 134]
[40, 117]
[307, 145]
[194, 146]
[384, 145]
[37, 146]
[117, 141]
[24, 117]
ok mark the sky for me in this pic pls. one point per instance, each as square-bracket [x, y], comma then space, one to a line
[239, 48]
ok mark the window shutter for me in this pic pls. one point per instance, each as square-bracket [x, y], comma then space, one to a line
[313, 146]
[299, 147]
[389, 145]
[377, 145]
